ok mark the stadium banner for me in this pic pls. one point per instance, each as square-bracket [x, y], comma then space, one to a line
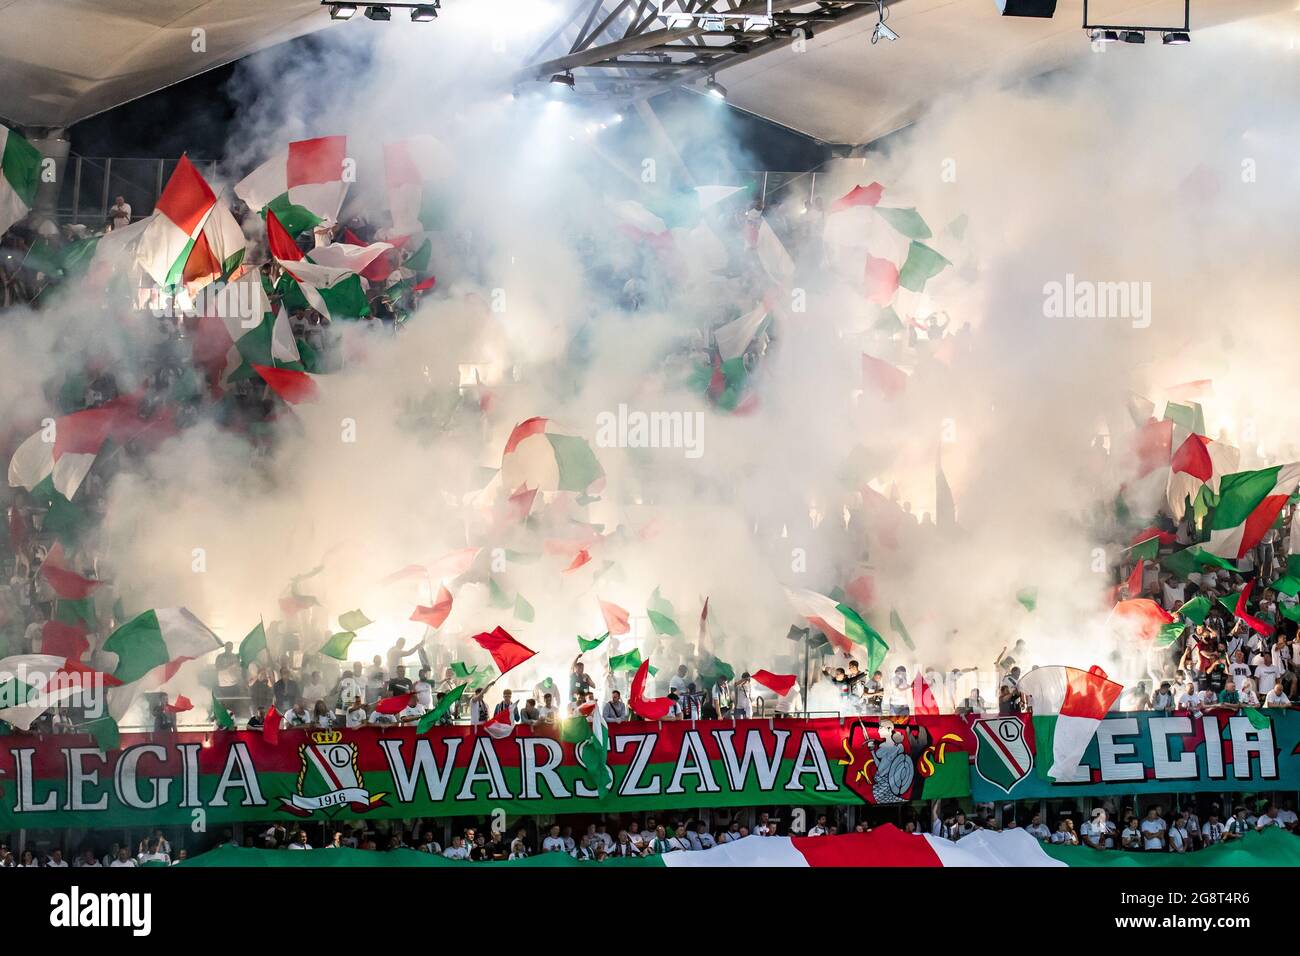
[220, 777]
[1220, 751]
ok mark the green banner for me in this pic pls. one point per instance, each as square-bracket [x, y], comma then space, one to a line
[226, 776]
[1220, 751]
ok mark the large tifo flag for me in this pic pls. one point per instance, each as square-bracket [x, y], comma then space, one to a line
[1249, 503]
[884, 846]
[178, 218]
[303, 184]
[20, 173]
[1068, 705]
[841, 624]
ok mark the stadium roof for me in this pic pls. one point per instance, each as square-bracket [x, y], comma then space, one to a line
[66, 60]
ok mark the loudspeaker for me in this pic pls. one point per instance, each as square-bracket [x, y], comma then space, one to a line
[1026, 8]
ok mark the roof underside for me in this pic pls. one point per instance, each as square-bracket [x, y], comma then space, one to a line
[66, 60]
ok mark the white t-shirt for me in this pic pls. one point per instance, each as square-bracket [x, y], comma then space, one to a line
[553, 845]
[350, 688]
[424, 694]
[299, 846]
[155, 858]
[413, 711]
[356, 718]
[61, 863]
[1277, 699]
[456, 853]
[294, 719]
[1038, 831]
[1151, 830]
[122, 863]
[1177, 839]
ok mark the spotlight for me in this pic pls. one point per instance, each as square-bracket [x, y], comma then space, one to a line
[379, 14]
[1176, 38]
[564, 79]
[1104, 36]
[1133, 36]
[716, 89]
[343, 11]
[424, 13]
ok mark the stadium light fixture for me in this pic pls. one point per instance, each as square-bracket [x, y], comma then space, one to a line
[343, 11]
[715, 89]
[1170, 34]
[379, 14]
[424, 13]
[564, 79]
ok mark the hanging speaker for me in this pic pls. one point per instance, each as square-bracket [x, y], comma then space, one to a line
[1026, 8]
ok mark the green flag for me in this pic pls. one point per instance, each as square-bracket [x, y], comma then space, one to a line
[1258, 719]
[496, 596]
[922, 264]
[1028, 598]
[713, 670]
[337, 646]
[252, 645]
[585, 644]
[441, 710]
[221, 716]
[523, 610]
[1196, 609]
[906, 221]
[896, 624]
[353, 621]
[662, 616]
[574, 730]
[1289, 583]
[1169, 633]
[1290, 612]
[626, 662]
[1143, 550]
[105, 732]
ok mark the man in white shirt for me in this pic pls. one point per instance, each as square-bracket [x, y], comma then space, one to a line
[1212, 829]
[1178, 836]
[553, 843]
[1037, 829]
[297, 715]
[424, 690]
[412, 712]
[1277, 697]
[742, 698]
[457, 850]
[351, 685]
[679, 840]
[123, 858]
[679, 681]
[819, 828]
[1098, 832]
[356, 714]
[120, 213]
[702, 839]
[56, 858]
[299, 841]
[1154, 830]
[1189, 700]
[1269, 818]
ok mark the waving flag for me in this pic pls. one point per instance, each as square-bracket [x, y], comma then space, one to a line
[333, 291]
[165, 245]
[158, 637]
[540, 456]
[1249, 503]
[648, 708]
[1068, 705]
[506, 652]
[20, 174]
[780, 684]
[435, 616]
[302, 185]
[841, 624]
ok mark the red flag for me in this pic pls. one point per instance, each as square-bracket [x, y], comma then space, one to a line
[652, 708]
[880, 278]
[64, 640]
[280, 242]
[295, 603]
[1153, 446]
[780, 683]
[1254, 623]
[615, 617]
[66, 584]
[579, 559]
[500, 726]
[271, 726]
[923, 703]
[521, 503]
[1143, 616]
[453, 564]
[1134, 584]
[1193, 458]
[393, 705]
[858, 196]
[1166, 538]
[293, 386]
[182, 704]
[886, 379]
[436, 615]
[506, 652]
